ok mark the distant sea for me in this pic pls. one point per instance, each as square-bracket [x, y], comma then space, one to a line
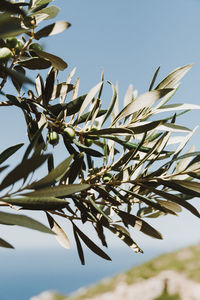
[26, 273]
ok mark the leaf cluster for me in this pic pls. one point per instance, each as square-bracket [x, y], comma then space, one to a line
[121, 168]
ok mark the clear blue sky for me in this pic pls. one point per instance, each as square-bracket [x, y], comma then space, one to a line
[128, 39]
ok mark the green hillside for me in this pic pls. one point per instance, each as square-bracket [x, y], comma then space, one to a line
[186, 261]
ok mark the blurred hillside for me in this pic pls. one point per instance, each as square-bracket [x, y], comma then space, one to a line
[173, 276]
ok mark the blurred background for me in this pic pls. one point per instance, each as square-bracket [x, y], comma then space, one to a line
[128, 40]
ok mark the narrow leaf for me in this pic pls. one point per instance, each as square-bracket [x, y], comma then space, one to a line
[52, 29]
[24, 221]
[139, 224]
[87, 150]
[33, 142]
[174, 77]
[89, 98]
[99, 209]
[23, 170]
[110, 109]
[16, 76]
[59, 191]
[37, 202]
[49, 86]
[55, 175]
[46, 13]
[154, 78]
[175, 199]
[78, 245]
[191, 185]
[143, 101]
[125, 237]
[8, 152]
[35, 63]
[55, 61]
[60, 234]
[5, 244]
[90, 244]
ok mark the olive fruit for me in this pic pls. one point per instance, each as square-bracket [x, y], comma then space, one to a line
[5, 54]
[11, 42]
[69, 133]
[88, 142]
[107, 177]
[34, 46]
[53, 138]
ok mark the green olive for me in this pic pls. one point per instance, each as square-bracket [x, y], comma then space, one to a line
[5, 54]
[107, 177]
[11, 42]
[88, 142]
[34, 46]
[69, 133]
[53, 138]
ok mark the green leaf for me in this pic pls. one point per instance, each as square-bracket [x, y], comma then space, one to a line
[75, 105]
[114, 131]
[112, 104]
[39, 85]
[90, 244]
[46, 13]
[49, 86]
[59, 191]
[9, 151]
[191, 185]
[154, 78]
[170, 205]
[100, 232]
[71, 107]
[174, 198]
[124, 235]
[99, 209]
[46, 202]
[5, 244]
[55, 175]
[60, 234]
[15, 82]
[16, 76]
[87, 150]
[139, 224]
[23, 170]
[38, 3]
[87, 116]
[35, 63]
[55, 61]
[177, 106]
[33, 142]
[89, 98]
[24, 221]
[13, 8]
[149, 202]
[174, 77]
[52, 29]
[145, 126]
[173, 128]
[75, 169]
[61, 90]
[78, 245]
[143, 101]
[10, 26]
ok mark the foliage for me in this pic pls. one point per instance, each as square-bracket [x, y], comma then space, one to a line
[121, 166]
